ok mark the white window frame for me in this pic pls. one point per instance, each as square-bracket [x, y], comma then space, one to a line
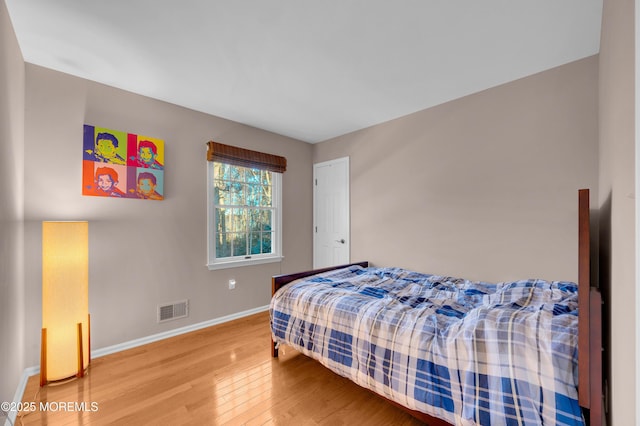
[238, 261]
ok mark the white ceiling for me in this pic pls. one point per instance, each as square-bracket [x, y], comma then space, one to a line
[311, 70]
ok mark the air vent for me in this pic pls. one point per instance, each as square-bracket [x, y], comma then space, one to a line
[173, 311]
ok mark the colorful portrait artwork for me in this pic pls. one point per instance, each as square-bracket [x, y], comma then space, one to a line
[122, 165]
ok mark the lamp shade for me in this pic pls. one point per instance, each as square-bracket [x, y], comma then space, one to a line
[65, 298]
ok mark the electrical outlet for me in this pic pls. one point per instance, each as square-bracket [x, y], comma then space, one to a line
[232, 284]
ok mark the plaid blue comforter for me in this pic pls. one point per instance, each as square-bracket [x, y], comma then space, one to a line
[467, 352]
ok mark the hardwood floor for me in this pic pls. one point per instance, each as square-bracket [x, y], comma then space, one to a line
[221, 375]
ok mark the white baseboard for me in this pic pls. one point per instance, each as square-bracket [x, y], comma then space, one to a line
[175, 332]
[30, 371]
[17, 397]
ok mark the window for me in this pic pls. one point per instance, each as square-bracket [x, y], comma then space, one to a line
[244, 212]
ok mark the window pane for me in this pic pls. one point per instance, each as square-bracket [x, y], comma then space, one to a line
[223, 220]
[235, 173]
[253, 195]
[254, 220]
[240, 244]
[266, 196]
[237, 193]
[266, 242]
[254, 176]
[221, 190]
[254, 239]
[231, 216]
[216, 194]
[238, 222]
[221, 171]
[266, 220]
[223, 245]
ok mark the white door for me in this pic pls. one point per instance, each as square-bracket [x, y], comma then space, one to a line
[331, 213]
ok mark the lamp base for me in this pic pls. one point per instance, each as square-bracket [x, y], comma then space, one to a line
[82, 369]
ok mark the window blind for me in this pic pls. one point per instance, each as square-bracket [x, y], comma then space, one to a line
[245, 157]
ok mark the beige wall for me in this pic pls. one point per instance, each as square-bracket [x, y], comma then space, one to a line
[617, 201]
[145, 253]
[484, 187]
[12, 316]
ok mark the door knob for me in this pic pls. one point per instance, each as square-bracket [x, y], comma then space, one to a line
[341, 241]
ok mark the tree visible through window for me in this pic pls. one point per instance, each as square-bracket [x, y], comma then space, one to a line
[244, 211]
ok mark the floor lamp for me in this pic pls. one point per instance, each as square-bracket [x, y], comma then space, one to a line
[65, 347]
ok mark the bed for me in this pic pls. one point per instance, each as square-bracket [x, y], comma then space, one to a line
[450, 350]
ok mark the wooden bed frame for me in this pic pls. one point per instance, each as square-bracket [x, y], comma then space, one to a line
[589, 325]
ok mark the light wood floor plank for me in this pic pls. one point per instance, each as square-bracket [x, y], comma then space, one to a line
[221, 375]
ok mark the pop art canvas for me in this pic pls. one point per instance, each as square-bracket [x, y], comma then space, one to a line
[122, 165]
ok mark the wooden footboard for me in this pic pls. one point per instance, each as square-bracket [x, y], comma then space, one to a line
[590, 395]
[589, 322]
